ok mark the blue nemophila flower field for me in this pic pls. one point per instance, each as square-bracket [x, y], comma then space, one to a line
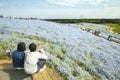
[76, 54]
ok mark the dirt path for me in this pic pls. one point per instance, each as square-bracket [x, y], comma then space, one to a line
[7, 72]
[111, 29]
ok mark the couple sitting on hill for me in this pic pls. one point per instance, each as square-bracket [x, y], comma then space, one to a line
[32, 61]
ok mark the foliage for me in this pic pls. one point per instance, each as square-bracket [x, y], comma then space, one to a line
[3, 47]
[1, 16]
[1, 32]
[98, 21]
[116, 27]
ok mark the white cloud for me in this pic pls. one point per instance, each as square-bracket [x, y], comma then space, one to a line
[76, 2]
[65, 2]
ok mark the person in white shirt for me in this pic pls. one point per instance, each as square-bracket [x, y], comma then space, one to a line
[34, 60]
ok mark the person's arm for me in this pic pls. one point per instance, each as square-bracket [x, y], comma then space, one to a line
[44, 56]
[42, 53]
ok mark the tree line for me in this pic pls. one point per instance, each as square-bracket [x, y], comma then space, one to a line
[97, 21]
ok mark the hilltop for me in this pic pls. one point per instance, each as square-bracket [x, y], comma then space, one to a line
[74, 53]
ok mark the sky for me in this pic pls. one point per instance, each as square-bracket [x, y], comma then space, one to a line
[61, 9]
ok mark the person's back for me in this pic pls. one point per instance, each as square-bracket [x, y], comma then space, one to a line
[18, 56]
[32, 59]
[18, 59]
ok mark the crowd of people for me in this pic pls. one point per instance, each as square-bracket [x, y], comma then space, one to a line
[98, 33]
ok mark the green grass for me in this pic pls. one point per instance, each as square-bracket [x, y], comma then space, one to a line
[115, 26]
[1, 32]
[3, 47]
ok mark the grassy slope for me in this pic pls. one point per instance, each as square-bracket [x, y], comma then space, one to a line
[115, 26]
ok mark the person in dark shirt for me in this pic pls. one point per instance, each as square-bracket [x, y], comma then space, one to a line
[18, 56]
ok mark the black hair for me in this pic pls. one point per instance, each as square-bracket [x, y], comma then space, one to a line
[32, 47]
[21, 46]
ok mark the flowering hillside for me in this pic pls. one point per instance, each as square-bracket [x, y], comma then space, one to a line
[74, 53]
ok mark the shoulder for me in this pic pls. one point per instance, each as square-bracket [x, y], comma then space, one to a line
[18, 52]
[37, 54]
[26, 52]
[14, 52]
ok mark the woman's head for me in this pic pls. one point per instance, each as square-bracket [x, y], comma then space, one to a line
[32, 47]
[21, 46]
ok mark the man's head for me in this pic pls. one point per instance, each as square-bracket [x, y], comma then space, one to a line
[21, 46]
[32, 47]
